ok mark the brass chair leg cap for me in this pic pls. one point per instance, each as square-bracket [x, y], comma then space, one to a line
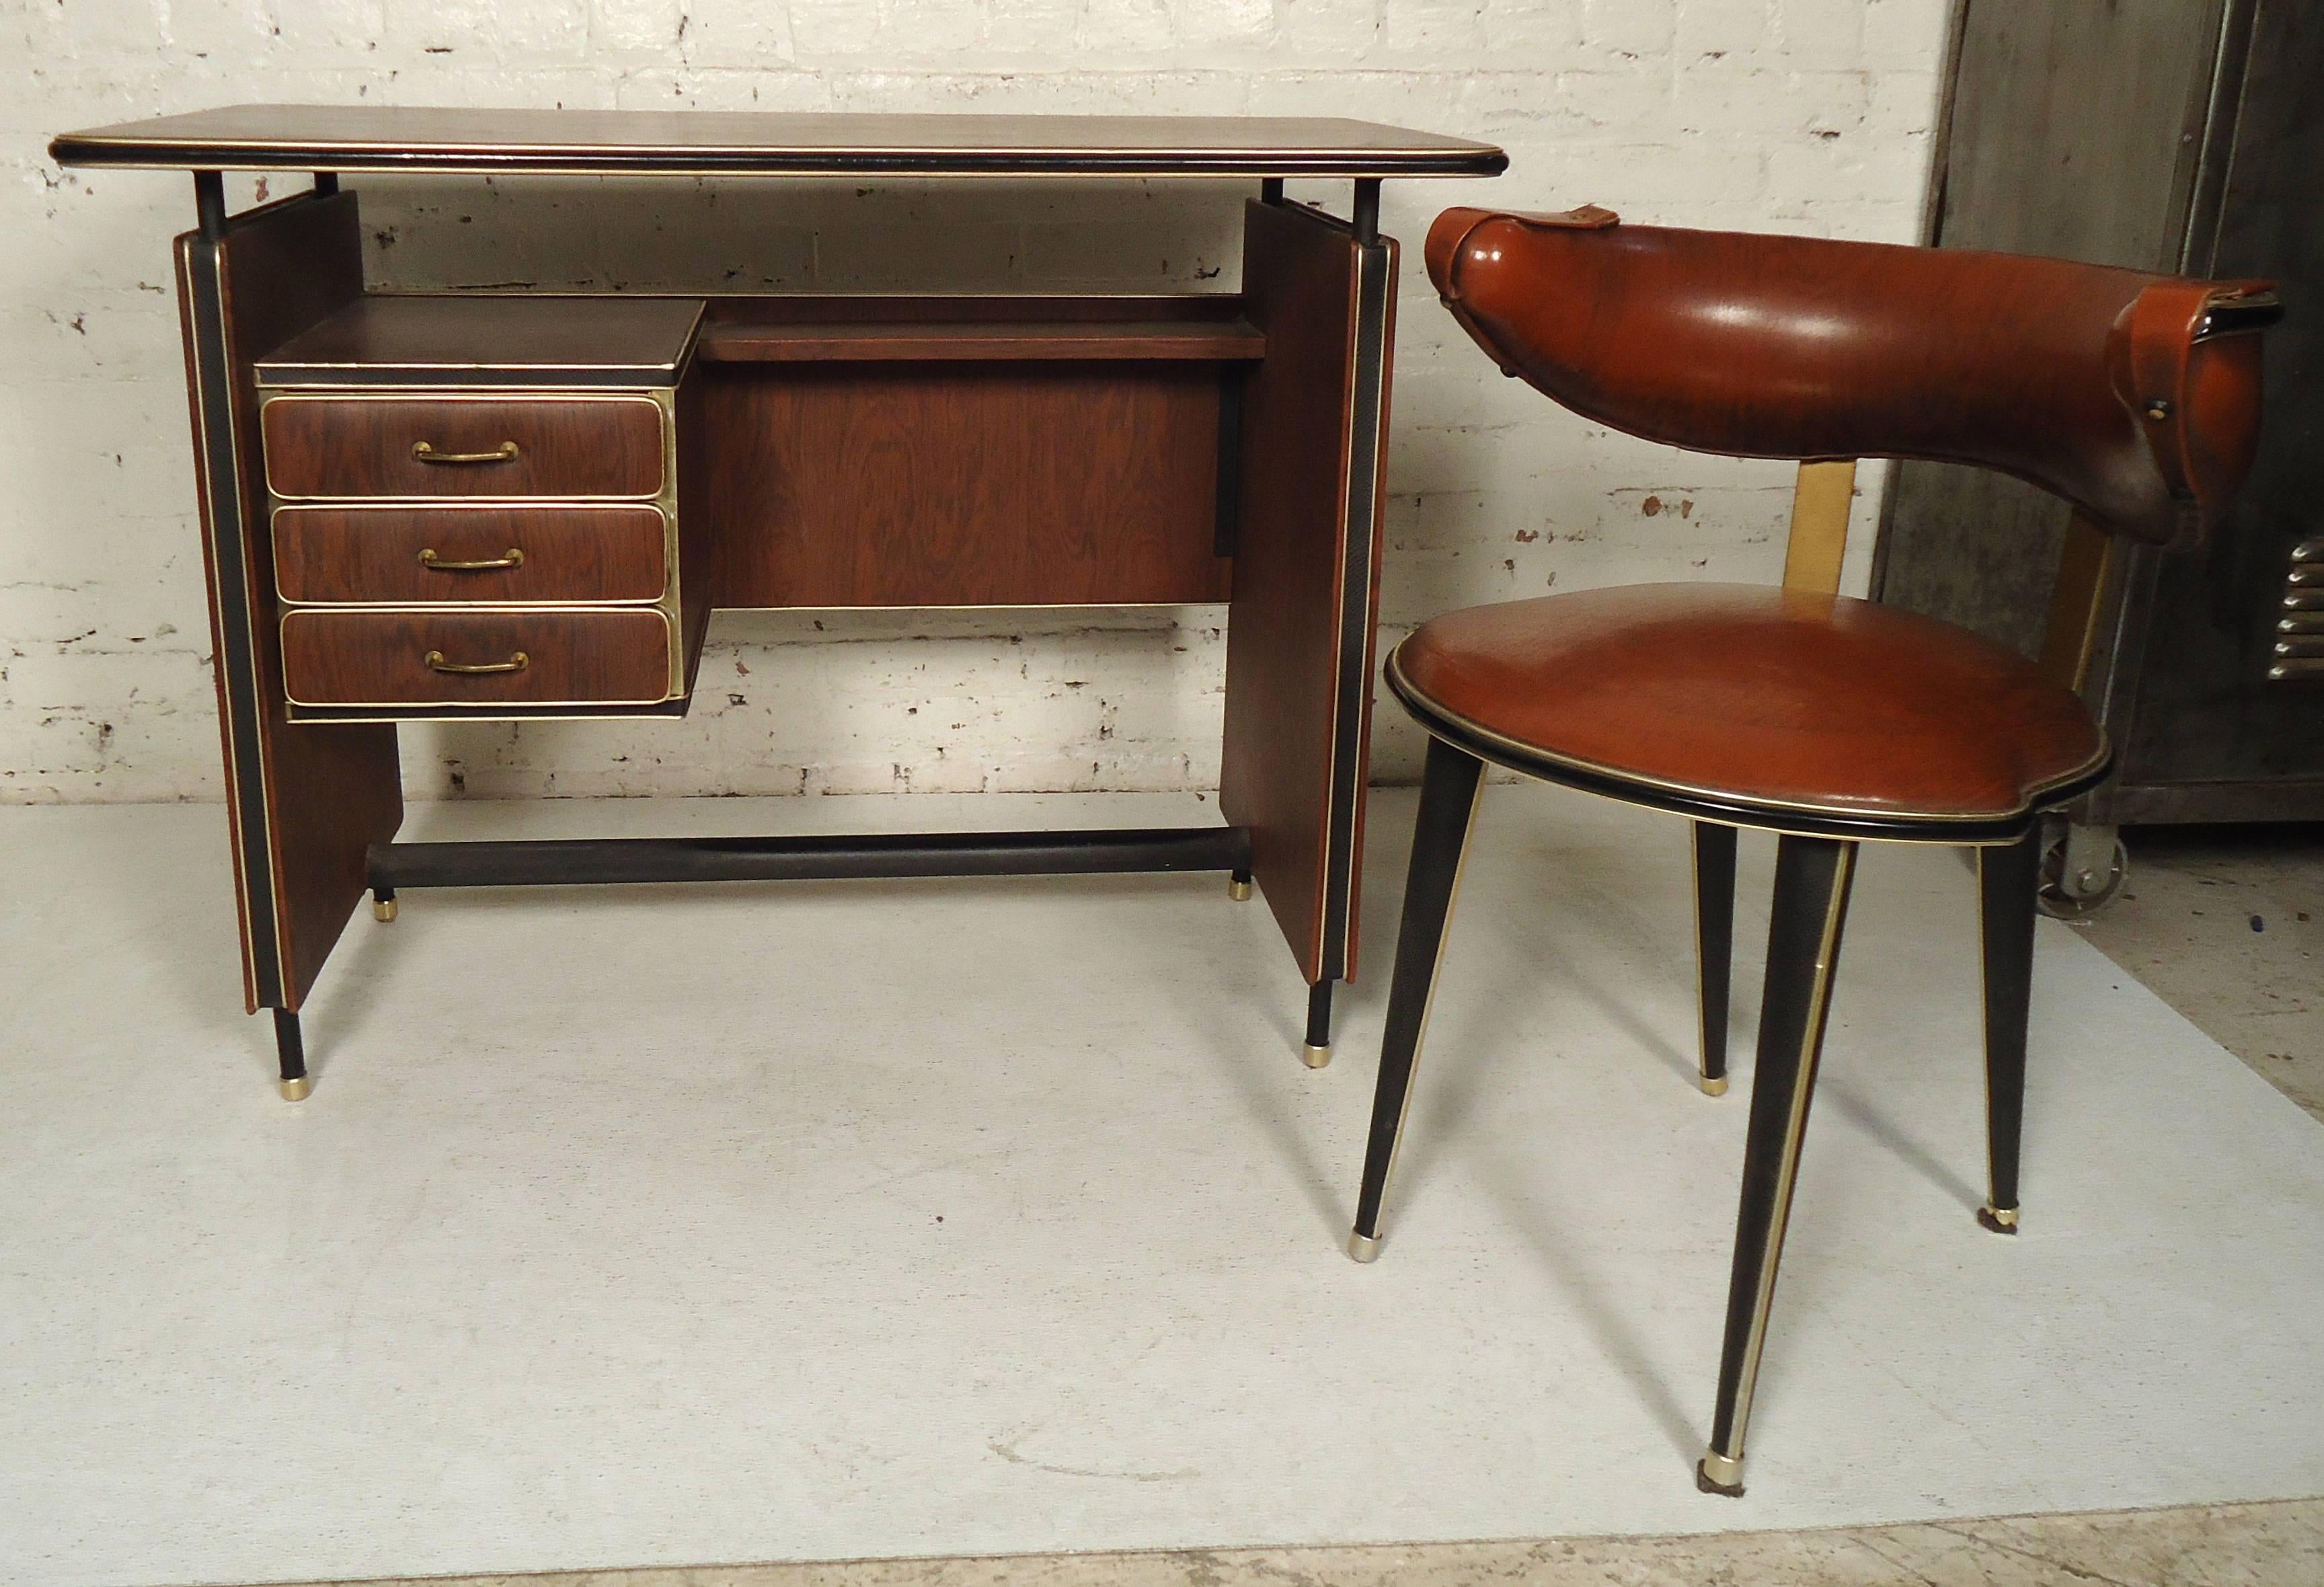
[295, 1091]
[1707, 1483]
[1997, 1219]
[1364, 1248]
[1314, 1056]
[1713, 1086]
[383, 910]
[1239, 890]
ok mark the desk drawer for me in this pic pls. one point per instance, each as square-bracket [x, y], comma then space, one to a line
[437, 445]
[412, 555]
[398, 659]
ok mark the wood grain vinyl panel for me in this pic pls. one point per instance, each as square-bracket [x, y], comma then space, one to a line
[1291, 612]
[363, 657]
[311, 800]
[371, 555]
[340, 448]
[997, 485]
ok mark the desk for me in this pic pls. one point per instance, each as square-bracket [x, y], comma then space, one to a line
[481, 506]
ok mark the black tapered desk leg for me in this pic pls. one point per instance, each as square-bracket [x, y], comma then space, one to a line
[1714, 948]
[2008, 880]
[291, 1048]
[1318, 1050]
[1439, 840]
[1811, 909]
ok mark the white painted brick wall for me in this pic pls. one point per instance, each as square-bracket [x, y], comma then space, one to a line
[1769, 115]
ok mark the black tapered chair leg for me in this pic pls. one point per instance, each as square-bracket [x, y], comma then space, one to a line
[1317, 1052]
[1440, 839]
[1811, 911]
[1714, 948]
[2008, 879]
[291, 1052]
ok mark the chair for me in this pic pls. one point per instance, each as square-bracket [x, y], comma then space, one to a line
[1829, 721]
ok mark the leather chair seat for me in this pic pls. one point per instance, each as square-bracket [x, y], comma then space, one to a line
[1774, 708]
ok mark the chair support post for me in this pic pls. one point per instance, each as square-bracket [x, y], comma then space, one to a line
[1714, 949]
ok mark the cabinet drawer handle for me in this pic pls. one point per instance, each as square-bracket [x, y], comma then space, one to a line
[503, 453]
[517, 662]
[428, 558]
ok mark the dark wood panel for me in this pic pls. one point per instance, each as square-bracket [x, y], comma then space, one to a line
[969, 342]
[307, 801]
[354, 657]
[343, 447]
[488, 340]
[396, 555]
[972, 485]
[1288, 621]
[381, 137]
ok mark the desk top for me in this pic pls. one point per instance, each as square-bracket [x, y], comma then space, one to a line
[718, 142]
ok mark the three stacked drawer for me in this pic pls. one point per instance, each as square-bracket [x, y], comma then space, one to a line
[474, 505]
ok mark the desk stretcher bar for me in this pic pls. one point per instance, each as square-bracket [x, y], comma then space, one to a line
[573, 862]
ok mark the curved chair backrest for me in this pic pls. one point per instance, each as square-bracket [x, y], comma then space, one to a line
[2133, 396]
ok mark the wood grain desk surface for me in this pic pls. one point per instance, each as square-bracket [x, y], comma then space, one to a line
[379, 137]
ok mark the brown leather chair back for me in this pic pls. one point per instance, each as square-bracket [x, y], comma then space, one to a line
[2131, 395]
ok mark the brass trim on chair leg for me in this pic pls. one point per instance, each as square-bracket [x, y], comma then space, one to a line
[1998, 1220]
[1716, 1474]
[1721, 1469]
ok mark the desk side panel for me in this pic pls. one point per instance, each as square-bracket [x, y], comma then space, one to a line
[1299, 636]
[305, 800]
[961, 485]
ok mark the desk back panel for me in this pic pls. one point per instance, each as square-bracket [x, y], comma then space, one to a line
[1299, 634]
[305, 801]
[892, 483]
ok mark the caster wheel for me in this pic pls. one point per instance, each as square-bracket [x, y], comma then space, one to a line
[2073, 889]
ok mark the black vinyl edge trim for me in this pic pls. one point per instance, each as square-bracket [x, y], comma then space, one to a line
[237, 668]
[1649, 796]
[1353, 681]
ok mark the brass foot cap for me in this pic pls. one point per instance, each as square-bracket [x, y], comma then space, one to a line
[383, 910]
[295, 1091]
[1364, 1248]
[1314, 1056]
[1239, 890]
[1999, 1220]
[1716, 1474]
[1713, 1086]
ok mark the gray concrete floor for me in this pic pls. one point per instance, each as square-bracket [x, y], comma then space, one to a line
[2225, 924]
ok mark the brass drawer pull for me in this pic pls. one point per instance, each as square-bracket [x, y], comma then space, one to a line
[517, 662]
[503, 453]
[428, 558]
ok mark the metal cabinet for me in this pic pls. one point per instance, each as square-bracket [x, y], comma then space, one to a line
[2180, 135]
